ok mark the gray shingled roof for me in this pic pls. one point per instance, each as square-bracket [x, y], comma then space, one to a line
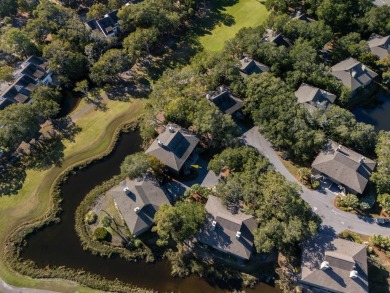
[352, 73]
[227, 103]
[145, 194]
[345, 166]
[250, 66]
[380, 46]
[177, 147]
[223, 236]
[314, 96]
[107, 25]
[343, 256]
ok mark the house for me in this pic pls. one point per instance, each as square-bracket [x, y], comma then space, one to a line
[278, 39]
[138, 201]
[379, 45]
[348, 169]
[174, 147]
[227, 232]
[312, 97]
[302, 16]
[250, 66]
[335, 265]
[108, 25]
[225, 101]
[32, 73]
[353, 74]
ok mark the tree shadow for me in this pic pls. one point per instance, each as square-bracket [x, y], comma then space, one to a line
[66, 128]
[46, 154]
[12, 179]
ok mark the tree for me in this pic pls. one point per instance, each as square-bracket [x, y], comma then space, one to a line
[138, 164]
[82, 87]
[285, 219]
[19, 123]
[381, 177]
[384, 64]
[219, 128]
[349, 201]
[109, 66]
[101, 234]
[6, 73]
[178, 222]
[142, 40]
[8, 7]
[17, 41]
[377, 20]
[106, 221]
[349, 45]
[97, 10]
[68, 64]
[238, 160]
[384, 201]
[115, 4]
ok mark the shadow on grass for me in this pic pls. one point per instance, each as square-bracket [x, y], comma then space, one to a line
[178, 50]
[46, 154]
[12, 179]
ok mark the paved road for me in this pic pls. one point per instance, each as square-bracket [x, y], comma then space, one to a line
[321, 203]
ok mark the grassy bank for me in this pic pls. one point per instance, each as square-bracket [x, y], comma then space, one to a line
[33, 200]
[243, 13]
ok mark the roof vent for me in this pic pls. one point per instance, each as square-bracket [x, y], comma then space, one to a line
[208, 96]
[160, 143]
[246, 59]
[353, 274]
[361, 160]
[171, 129]
[106, 15]
[126, 189]
[364, 67]
[221, 88]
[339, 147]
[136, 210]
[214, 224]
[353, 73]
[238, 235]
[324, 265]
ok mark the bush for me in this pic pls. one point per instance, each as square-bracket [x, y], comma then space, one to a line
[101, 234]
[90, 217]
[106, 221]
[384, 201]
[366, 202]
[349, 201]
[315, 184]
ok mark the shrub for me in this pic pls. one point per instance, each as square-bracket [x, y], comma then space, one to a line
[90, 217]
[349, 201]
[366, 202]
[106, 221]
[315, 184]
[100, 234]
[384, 201]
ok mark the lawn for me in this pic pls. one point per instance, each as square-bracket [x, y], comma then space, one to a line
[33, 200]
[243, 13]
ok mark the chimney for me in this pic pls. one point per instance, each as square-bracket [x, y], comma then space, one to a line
[171, 129]
[246, 59]
[214, 224]
[364, 67]
[361, 160]
[353, 274]
[136, 210]
[339, 147]
[160, 143]
[238, 235]
[221, 88]
[324, 265]
[208, 96]
[126, 189]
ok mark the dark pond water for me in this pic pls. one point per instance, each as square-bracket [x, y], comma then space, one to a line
[379, 116]
[59, 245]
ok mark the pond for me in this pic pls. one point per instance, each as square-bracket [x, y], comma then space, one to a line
[379, 116]
[59, 245]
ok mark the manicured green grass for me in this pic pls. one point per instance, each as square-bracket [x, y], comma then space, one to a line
[244, 13]
[33, 200]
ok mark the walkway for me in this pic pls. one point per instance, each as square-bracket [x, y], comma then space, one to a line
[321, 203]
[5, 288]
